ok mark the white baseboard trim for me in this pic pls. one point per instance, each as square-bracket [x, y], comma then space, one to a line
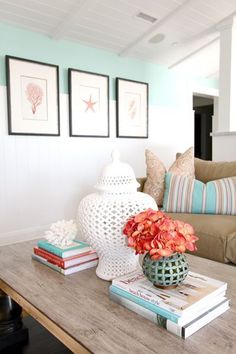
[28, 234]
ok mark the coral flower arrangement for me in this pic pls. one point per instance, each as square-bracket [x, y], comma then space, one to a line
[155, 233]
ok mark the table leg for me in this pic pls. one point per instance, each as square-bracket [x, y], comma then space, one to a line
[12, 331]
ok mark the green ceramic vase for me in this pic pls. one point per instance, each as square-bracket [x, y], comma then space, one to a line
[167, 272]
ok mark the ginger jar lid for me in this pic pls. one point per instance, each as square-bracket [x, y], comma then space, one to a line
[117, 177]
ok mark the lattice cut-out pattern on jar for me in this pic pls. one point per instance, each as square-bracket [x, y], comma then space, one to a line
[167, 271]
[101, 218]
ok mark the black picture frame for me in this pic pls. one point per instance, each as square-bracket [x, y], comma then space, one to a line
[132, 120]
[81, 122]
[32, 97]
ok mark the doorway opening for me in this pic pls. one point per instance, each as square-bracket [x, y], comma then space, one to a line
[203, 107]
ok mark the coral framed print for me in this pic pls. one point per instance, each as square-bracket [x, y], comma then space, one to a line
[33, 97]
[131, 109]
[88, 104]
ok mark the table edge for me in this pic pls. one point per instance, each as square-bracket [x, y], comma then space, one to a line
[46, 322]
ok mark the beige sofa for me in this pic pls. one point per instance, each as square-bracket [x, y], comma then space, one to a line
[217, 233]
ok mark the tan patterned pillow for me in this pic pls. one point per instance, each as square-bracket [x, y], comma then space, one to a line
[184, 164]
[155, 183]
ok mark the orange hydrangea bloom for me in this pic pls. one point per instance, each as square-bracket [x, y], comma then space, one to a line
[154, 232]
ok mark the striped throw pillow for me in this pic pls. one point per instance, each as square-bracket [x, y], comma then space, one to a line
[188, 195]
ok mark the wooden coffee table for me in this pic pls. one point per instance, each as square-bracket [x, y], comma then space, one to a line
[77, 310]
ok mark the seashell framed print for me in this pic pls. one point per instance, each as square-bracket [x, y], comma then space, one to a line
[88, 104]
[131, 109]
[32, 97]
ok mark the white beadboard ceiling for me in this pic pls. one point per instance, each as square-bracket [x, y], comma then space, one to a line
[191, 39]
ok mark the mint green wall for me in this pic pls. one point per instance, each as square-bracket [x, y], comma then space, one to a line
[165, 86]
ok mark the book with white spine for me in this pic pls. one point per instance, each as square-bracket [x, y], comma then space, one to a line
[177, 304]
[218, 307]
[74, 269]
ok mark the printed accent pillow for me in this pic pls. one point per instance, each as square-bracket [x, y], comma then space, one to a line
[188, 195]
[156, 171]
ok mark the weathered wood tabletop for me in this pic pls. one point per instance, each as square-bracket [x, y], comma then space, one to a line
[78, 311]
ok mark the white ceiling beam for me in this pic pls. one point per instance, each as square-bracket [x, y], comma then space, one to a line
[209, 30]
[189, 55]
[153, 28]
[199, 35]
[68, 19]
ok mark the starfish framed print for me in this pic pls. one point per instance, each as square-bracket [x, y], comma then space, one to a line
[88, 104]
[32, 97]
[131, 109]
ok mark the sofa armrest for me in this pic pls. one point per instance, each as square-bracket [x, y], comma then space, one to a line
[141, 181]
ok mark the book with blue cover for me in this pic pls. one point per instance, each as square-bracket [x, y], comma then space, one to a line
[176, 304]
[216, 307]
[76, 248]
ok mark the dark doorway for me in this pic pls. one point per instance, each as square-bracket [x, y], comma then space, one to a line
[204, 110]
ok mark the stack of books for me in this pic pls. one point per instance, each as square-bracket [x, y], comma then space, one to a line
[67, 260]
[182, 310]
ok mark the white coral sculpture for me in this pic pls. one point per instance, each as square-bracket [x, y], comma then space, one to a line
[62, 233]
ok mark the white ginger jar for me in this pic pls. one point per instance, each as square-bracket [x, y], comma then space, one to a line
[102, 216]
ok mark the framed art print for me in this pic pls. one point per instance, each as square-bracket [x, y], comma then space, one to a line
[33, 97]
[88, 104]
[131, 109]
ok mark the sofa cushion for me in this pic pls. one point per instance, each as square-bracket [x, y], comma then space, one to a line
[217, 235]
[156, 170]
[206, 171]
[188, 195]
